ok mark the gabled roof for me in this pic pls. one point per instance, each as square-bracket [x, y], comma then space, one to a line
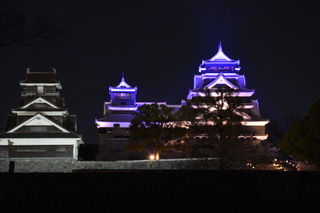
[220, 58]
[111, 117]
[123, 86]
[39, 120]
[123, 83]
[46, 106]
[220, 79]
[40, 100]
[220, 55]
[40, 77]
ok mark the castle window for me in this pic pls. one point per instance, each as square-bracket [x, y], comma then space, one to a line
[31, 89]
[49, 89]
[61, 149]
[31, 149]
[38, 129]
[212, 68]
[40, 105]
[122, 95]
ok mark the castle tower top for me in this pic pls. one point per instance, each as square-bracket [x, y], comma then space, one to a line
[123, 93]
[220, 56]
[219, 62]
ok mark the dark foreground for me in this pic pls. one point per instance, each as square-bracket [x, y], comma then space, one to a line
[161, 191]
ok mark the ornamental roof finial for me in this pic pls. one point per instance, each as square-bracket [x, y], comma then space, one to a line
[220, 56]
[123, 82]
[122, 79]
[220, 46]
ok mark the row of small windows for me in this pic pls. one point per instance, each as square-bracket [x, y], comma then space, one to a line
[36, 151]
[220, 68]
[42, 148]
[28, 129]
[47, 89]
[122, 95]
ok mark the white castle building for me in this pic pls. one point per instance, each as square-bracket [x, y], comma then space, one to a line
[41, 126]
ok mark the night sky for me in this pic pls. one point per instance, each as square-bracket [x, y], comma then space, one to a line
[159, 46]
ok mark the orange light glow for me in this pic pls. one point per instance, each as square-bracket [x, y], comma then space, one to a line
[154, 156]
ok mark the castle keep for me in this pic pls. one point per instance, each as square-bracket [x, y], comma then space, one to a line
[41, 126]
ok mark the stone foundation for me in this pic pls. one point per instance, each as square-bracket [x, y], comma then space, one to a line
[69, 165]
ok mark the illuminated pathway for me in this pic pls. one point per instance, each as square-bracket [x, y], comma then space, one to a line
[276, 165]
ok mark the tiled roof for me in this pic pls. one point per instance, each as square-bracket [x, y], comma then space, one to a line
[40, 77]
[241, 90]
[117, 118]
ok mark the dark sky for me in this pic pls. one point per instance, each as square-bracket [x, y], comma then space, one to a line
[159, 46]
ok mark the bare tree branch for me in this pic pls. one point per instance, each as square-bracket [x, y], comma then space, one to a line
[41, 33]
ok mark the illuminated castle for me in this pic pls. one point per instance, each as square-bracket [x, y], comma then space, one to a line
[113, 127]
[120, 110]
[40, 127]
[222, 72]
[219, 71]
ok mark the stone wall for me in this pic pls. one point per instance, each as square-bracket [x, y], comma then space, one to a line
[69, 165]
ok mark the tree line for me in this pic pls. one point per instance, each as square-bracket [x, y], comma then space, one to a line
[203, 127]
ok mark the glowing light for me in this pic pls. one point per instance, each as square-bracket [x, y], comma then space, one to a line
[112, 89]
[122, 108]
[154, 156]
[103, 124]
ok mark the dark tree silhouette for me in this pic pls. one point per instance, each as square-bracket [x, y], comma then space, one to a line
[216, 131]
[303, 139]
[151, 128]
[204, 127]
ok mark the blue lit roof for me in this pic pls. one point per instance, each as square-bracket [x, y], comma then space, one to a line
[220, 58]
[123, 86]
